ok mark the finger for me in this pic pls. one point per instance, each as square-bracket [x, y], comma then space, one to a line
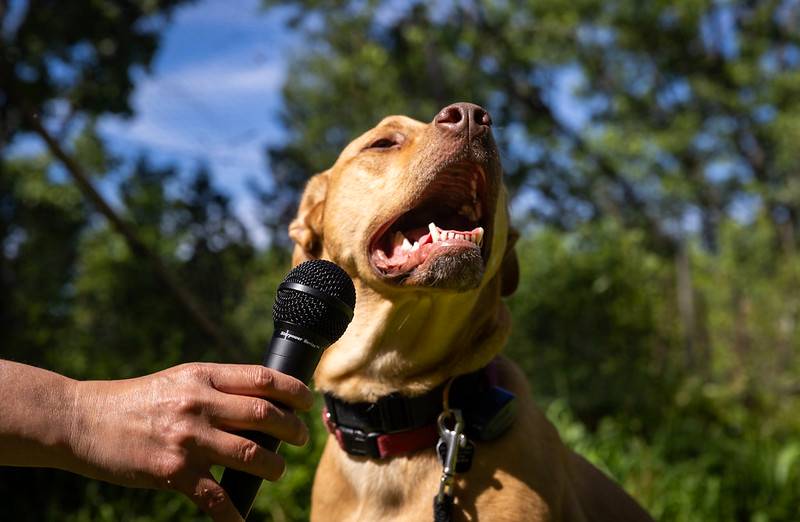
[258, 381]
[209, 496]
[252, 413]
[233, 451]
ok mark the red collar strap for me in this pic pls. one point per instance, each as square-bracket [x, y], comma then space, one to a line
[395, 424]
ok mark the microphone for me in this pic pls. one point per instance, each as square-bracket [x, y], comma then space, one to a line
[313, 307]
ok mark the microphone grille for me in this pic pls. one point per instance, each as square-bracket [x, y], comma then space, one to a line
[309, 312]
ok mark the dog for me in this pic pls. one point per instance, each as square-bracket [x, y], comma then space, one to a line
[417, 214]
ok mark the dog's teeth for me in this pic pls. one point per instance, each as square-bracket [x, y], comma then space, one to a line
[434, 232]
[415, 247]
[479, 236]
[398, 238]
[406, 244]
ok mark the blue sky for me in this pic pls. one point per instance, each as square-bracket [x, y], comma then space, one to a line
[213, 96]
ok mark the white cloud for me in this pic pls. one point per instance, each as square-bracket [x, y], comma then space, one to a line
[220, 77]
[217, 110]
[214, 97]
[221, 12]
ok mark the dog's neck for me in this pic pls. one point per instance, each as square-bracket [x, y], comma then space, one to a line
[414, 341]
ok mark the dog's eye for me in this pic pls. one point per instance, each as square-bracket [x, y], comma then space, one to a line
[387, 142]
[383, 143]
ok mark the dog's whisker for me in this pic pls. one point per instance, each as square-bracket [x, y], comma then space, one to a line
[403, 322]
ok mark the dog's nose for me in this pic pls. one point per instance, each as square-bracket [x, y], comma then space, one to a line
[458, 117]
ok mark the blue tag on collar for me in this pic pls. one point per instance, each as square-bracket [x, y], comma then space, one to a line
[491, 415]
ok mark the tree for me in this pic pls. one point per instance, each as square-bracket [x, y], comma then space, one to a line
[82, 68]
[70, 61]
[654, 113]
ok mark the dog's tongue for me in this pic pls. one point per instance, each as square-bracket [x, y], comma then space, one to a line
[400, 259]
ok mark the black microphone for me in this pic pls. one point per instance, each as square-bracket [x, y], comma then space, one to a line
[313, 307]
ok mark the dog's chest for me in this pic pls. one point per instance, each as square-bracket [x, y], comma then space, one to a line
[388, 489]
[402, 489]
[402, 476]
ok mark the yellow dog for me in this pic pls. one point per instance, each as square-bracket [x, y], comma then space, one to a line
[417, 214]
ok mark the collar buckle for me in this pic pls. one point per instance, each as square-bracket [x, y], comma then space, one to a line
[359, 442]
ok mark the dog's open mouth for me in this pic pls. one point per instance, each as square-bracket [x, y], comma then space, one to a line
[449, 220]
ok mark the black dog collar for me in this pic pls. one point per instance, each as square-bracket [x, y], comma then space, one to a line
[396, 424]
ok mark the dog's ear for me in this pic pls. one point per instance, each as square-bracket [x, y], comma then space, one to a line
[509, 269]
[306, 229]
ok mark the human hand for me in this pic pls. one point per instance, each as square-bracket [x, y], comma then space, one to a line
[165, 430]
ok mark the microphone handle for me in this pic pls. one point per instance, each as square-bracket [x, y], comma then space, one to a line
[287, 356]
[242, 488]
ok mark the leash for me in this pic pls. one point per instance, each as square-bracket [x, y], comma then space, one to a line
[451, 446]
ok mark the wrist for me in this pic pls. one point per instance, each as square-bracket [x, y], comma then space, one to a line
[35, 425]
[60, 443]
[75, 440]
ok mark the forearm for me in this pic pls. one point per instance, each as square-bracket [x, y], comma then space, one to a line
[36, 416]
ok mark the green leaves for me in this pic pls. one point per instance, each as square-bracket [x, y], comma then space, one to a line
[787, 464]
[80, 55]
[712, 437]
[670, 99]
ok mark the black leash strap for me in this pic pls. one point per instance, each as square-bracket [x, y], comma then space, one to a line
[443, 508]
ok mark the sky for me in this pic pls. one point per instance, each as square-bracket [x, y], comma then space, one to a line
[213, 97]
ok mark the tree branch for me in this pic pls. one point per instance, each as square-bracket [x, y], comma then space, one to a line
[182, 296]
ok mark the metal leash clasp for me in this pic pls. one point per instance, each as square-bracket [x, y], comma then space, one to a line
[453, 439]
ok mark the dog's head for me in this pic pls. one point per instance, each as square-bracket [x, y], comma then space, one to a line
[413, 205]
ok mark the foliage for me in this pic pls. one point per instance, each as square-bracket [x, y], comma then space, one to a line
[78, 58]
[590, 326]
[595, 332]
[654, 113]
[76, 300]
[40, 222]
